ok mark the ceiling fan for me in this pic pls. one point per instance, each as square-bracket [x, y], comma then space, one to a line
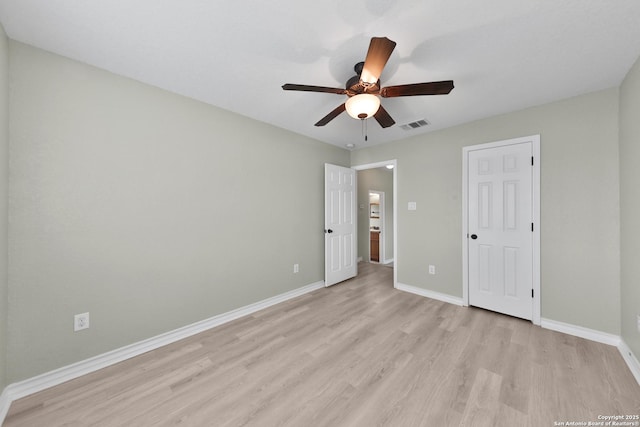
[364, 88]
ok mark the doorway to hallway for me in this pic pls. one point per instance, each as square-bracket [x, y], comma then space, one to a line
[376, 205]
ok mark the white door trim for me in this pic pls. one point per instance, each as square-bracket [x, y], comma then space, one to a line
[394, 163]
[535, 142]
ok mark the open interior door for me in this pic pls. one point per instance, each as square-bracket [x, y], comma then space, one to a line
[339, 224]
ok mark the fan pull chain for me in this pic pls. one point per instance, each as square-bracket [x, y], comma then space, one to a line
[366, 137]
[364, 129]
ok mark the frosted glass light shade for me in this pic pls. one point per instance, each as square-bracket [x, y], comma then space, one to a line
[362, 106]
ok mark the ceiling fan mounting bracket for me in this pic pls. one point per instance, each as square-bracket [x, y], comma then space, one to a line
[355, 86]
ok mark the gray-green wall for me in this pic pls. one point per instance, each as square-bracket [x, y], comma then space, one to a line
[149, 210]
[4, 190]
[379, 179]
[630, 206]
[580, 229]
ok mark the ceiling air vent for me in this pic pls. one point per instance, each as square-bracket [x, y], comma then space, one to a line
[415, 125]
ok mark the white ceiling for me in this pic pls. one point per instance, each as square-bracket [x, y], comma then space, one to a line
[503, 55]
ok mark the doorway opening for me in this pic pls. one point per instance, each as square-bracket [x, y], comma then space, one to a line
[378, 220]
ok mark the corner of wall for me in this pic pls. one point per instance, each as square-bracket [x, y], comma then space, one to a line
[4, 190]
[629, 134]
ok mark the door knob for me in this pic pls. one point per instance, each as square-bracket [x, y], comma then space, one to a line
[328, 231]
[474, 236]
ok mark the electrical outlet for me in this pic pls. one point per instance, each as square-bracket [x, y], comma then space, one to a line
[80, 321]
[296, 268]
[432, 269]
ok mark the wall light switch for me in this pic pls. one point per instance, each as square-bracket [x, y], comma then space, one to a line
[412, 206]
[432, 269]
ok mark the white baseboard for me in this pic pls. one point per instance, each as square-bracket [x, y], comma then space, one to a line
[49, 379]
[582, 332]
[630, 358]
[566, 328]
[597, 336]
[5, 402]
[388, 261]
[429, 294]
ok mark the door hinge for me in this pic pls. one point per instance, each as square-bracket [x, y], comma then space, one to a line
[532, 227]
[531, 160]
[531, 293]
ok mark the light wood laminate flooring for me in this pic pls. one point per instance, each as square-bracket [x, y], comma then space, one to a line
[357, 354]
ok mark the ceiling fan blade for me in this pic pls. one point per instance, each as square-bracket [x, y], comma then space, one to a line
[308, 88]
[379, 52]
[431, 88]
[332, 115]
[383, 118]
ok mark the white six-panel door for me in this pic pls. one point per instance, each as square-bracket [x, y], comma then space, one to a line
[339, 224]
[500, 237]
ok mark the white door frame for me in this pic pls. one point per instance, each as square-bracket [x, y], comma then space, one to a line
[376, 165]
[535, 142]
[381, 251]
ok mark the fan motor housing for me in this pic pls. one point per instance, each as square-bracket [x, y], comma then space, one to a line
[355, 87]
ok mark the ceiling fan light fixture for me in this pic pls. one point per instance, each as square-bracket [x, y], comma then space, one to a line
[362, 106]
